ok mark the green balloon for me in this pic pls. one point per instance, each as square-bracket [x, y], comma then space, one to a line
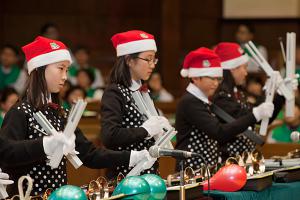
[134, 187]
[68, 192]
[158, 188]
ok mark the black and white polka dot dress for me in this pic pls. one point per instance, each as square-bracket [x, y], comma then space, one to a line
[130, 118]
[241, 143]
[44, 177]
[199, 142]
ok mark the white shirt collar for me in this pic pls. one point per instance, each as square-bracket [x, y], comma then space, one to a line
[135, 85]
[195, 91]
[49, 99]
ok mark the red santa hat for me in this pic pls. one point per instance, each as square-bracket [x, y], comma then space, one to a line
[201, 62]
[43, 51]
[133, 42]
[231, 55]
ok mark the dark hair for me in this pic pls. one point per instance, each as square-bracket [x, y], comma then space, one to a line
[6, 92]
[120, 73]
[255, 79]
[227, 84]
[46, 26]
[81, 48]
[249, 26]
[72, 89]
[297, 102]
[36, 91]
[11, 47]
[88, 72]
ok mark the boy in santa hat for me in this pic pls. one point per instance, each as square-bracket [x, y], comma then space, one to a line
[230, 96]
[199, 130]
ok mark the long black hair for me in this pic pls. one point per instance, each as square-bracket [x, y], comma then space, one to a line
[228, 82]
[120, 73]
[37, 91]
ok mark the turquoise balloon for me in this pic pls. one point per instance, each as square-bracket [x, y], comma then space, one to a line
[134, 187]
[68, 192]
[158, 188]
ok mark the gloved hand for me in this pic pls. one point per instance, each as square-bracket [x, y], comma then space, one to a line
[288, 81]
[264, 110]
[4, 181]
[153, 126]
[52, 142]
[69, 145]
[138, 156]
[164, 123]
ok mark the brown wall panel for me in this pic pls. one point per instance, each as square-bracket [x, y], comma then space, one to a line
[179, 27]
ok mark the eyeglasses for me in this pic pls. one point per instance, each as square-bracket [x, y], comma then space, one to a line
[150, 61]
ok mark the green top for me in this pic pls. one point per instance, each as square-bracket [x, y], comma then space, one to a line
[283, 133]
[66, 105]
[10, 78]
[90, 92]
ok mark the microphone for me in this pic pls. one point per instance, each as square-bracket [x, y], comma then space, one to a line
[295, 136]
[156, 152]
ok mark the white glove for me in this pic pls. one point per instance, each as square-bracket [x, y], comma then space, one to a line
[153, 126]
[4, 181]
[288, 81]
[69, 145]
[52, 142]
[165, 123]
[264, 110]
[138, 156]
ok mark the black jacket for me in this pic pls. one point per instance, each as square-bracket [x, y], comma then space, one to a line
[27, 157]
[194, 117]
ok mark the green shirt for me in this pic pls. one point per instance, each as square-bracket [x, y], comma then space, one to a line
[283, 133]
[10, 78]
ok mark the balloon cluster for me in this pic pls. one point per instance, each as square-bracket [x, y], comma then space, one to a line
[145, 187]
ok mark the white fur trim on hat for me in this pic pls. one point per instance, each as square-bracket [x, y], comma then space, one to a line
[48, 58]
[234, 63]
[136, 46]
[198, 72]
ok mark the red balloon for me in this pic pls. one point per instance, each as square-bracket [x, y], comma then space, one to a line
[229, 178]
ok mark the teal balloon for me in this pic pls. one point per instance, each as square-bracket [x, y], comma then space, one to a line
[158, 188]
[134, 187]
[68, 192]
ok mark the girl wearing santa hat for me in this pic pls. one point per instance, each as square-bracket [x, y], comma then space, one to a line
[48, 62]
[230, 96]
[123, 125]
[199, 130]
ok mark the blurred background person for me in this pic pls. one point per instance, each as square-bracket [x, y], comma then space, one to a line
[82, 59]
[85, 78]
[50, 30]
[8, 97]
[11, 75]
[245, 32]
[73, 94]
[282, 132]
[157, 91]
[254, 89]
